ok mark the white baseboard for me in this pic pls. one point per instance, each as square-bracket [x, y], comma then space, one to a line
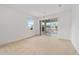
[75, 46]
[18, 39]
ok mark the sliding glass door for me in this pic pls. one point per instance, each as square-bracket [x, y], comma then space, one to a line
[49, 26]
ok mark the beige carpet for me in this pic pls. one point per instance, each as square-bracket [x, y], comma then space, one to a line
[39, 45]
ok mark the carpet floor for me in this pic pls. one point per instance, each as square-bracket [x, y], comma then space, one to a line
[39, 45]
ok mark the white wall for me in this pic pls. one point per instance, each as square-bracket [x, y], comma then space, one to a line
[13, 25]
[64, 25]
[75, 27]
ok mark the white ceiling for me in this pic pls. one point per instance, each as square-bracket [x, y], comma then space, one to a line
[40, 9]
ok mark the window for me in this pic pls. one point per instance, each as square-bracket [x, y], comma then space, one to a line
[30, 23]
